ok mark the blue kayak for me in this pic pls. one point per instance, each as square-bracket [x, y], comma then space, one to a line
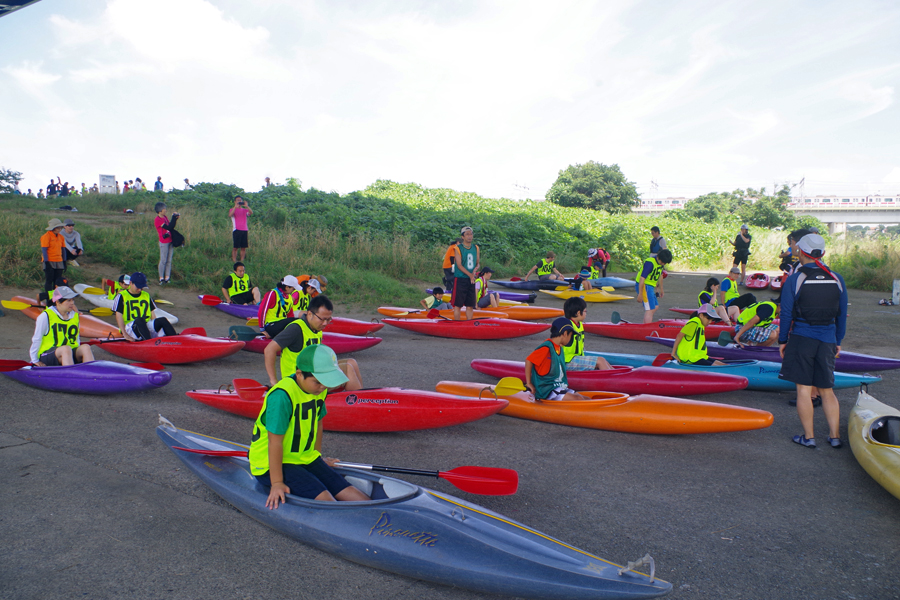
[616, 282]
[760, 374]
[533, 284]
[418, 533]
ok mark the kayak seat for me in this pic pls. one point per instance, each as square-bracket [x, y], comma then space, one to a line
[886, 430]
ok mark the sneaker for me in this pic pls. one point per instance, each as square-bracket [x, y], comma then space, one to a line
[74, 263]
[835, 442]
[801, 439]
[162, 282]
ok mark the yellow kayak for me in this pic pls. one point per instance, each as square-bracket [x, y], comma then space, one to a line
[874, 432]
[589, 296]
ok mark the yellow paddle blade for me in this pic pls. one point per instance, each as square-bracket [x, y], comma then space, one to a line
[608, 288]
[254, 322]
[161, 301]
[509, 385]
[93, 291]
[102, 311]
[14, 304]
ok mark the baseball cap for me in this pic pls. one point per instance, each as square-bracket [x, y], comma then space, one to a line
[709, 311]
[139, 280]
[560, 326]
[315, 285]
[465, 229]
[812, 245]
[291, 281]
[744, 226]
[68, 222]
[63, 293]
[814, 230]
[592, 252]
[735, 270]
[321, 361]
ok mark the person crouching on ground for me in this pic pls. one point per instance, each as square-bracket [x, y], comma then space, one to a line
[755, 326]
[237, 287]
[136, 312]
[598, 261]
[690, 343]
[545, 368]
[74, 247]
[575, 310]
[546, 270]
[57, 339]
[301, 333]
[647, 281]
[286, 451]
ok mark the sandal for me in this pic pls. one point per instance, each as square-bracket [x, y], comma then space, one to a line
[809, 443]
[835, 442]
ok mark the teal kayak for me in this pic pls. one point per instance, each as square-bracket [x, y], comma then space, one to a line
[760, 374]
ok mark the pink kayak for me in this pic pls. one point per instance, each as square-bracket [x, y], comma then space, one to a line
[339, 342]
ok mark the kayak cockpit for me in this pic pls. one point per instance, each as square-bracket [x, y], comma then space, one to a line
[886, 430]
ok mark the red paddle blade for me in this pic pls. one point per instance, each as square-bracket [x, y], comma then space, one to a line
[487, 481]
[249, 389]
[661, 359]
[211, 300]
[12, 365]
[433, 313]
[194, 331]
[151, 366]
[516, 279]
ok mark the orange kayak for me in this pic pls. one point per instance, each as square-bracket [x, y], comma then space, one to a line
[418, 313]
[90, 326]
[619, 412]
[525, 312]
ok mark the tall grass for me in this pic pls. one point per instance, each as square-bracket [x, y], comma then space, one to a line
[866, 264]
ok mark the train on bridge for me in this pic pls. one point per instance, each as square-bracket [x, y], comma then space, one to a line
[876, 201]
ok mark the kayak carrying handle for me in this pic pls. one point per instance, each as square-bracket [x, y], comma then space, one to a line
[645, 560]
[488, 389]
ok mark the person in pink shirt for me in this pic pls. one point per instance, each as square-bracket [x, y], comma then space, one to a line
[239, 213]
[164, 228]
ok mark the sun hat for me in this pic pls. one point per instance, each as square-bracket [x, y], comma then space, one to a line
[291, 281]
[53, 224]
[321, 361]
[812, 245]
[709, 311]
[63, 293]
[139, 280]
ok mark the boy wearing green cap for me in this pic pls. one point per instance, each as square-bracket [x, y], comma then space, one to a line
[285, 452]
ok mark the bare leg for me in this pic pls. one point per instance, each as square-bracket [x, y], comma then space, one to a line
[805, 409]
[722, 312]
[243, 254]
[234, 259]
[773, 339]
[469, 312]
[256, 295]
[832, 411]
[602, 364]
[84, 353]
[456, 316]
[64, 355]
[648, 315]
[495, 300]
[744, 273]
[352, 494]
[351, 369]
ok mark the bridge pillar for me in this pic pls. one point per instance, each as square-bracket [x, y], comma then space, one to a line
[837, 228]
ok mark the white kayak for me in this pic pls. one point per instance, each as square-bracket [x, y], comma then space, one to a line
[104, 302]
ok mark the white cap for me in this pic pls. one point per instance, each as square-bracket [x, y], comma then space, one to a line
[812, 245]
[314, 285]
[291, 281]
[592, 252]
[63, 293]
[708, 310]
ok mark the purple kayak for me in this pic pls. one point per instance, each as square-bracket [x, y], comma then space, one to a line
[242, 311]
[99, 377]
[851, 362]
[511, 296]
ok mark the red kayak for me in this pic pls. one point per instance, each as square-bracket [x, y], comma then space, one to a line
[171, 350]
[777, 282]
[757, 281]
[339, 342]
[628, 380]
[476, 329]
[352, 327]
[664, 328]
[373, 410]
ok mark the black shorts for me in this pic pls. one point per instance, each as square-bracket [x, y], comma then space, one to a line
[308, 481]
[742, 301]
[703, 362]
[242, 298]
[49, 358]
[808, 362]
[239, 238]
[463, 292]
[740, 260]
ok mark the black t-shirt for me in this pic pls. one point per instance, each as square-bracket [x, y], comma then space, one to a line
[51, 189]
[291, 337]
[740, 244]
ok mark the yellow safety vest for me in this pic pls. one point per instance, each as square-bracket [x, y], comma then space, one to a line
[748, 313]
[653, 277]
[239, 285]
[732, 292]
[712, 299]
[546, 267]
[302, 301]
[114, 290]
[134, 307]
[289, 358]
[692, 346]
[283, 307]
[62, 332]
[300, 437]
[577, 347]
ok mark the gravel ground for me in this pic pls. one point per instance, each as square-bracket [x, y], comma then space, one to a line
[93, 505]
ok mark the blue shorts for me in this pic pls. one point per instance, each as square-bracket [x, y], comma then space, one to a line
[582, 363]
[651, 302]
[308, 481]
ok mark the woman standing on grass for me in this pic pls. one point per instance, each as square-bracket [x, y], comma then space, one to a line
[164, 229]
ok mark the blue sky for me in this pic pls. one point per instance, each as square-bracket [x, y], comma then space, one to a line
[488, 97]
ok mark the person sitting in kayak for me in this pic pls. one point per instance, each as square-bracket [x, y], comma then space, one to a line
[647, 281]
[302, 332]
[286, 448]
[732, 299]
[582, 281]
[57, 339]
[136, 312]
[435, 300]
[309, 289]
[545, 368]
[709, 295]
[690, 343]
[598, 261]
[237, 287]
[575, 309]
[483, 296]
[755, 326]
[116, 287]
[546, 269]
[277, 307]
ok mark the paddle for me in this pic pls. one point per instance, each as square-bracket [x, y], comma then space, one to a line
[254, 322]
[661, 359]
[242, 333]
[100, 311]
[725, 338]
[93, 291]
[249, 389]
[166, 302]
[486, 481]
[617, 318]
[210, 300]
[508, 386]
[194, 331]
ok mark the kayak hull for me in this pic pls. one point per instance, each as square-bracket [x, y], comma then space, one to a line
[588, 295]
[757, 281]
[664, 328]
[418, 313]
[627, 380]
[172, 350]
[879, 457]
[761, 375]
[477, 329]
[100, 377]
[373, 410]
[504, 295]
[419, 533]
[852, 362]
[339, 342]
[103, 302]
[89, 325]
[650, 414]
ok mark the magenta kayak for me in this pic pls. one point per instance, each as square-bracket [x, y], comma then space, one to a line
[476, 329]
[339, 342]
[628, 380]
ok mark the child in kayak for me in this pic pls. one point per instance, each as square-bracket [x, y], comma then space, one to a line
[690, 343]
[483, 296]
[57, 339]
[545, 269]
[575, 310]
[136, 312]
[277, 308]
[285, 454]
[709, 295]
[582, 281]
[238, 288]
[435, 300]
[115, 287]
[545, 368]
